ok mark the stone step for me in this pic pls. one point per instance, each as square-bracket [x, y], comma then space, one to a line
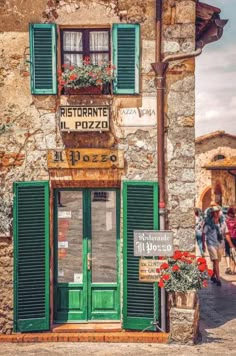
[114, 337]
[87, 327]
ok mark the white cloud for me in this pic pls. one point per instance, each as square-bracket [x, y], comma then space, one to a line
[215, 91]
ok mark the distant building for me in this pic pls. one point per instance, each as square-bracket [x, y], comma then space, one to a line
[214, 179]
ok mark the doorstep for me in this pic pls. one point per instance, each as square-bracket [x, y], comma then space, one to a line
[87, 327]
[113, 337]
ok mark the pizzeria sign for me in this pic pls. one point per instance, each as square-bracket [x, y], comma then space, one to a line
[84, 118]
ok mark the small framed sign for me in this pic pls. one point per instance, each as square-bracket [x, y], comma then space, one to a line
[149, 270]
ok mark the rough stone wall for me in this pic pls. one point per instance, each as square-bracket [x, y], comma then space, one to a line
[6, 295]
[30, 124]
[184, 325]
[205, 153]
[179, 36]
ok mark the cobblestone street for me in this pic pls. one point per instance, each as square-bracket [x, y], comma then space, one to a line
[218, 325]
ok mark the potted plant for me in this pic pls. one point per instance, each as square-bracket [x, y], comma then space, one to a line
[182, 275]
[86, 79]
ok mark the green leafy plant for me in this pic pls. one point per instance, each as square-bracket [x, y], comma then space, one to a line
[86, 75]
[183, 272]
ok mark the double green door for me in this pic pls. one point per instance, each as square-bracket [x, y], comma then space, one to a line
[86, 275]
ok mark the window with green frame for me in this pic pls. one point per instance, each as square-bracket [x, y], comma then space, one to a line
[80, 43]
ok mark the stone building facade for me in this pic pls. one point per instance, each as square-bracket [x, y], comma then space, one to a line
[214, 185]
[35, 152]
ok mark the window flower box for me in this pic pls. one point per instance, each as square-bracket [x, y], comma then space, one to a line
[86, 79]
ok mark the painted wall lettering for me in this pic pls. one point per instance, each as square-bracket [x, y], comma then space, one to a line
[84, 118]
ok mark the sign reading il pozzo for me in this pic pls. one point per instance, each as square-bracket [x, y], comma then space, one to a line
[84, 118]
[86, 158]
[153, 243]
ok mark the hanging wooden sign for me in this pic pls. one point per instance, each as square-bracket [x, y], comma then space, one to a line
[86, 158]
[84, 118]
[153, 243]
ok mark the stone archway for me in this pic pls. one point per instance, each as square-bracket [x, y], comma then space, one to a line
[206, 198]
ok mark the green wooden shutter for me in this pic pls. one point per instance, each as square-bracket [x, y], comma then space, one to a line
[31, 256]
[126, 53]
[43, 58]
[140, 211]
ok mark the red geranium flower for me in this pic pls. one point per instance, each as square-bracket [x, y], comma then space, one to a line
[186, 254]
[87, 60]
[73, 77]
[158, 270]
[164, 266]
[177, 255]
[166, 277]
[175, 268]
[201, 260]
[202, 267]
[161, 284]
[192, 256]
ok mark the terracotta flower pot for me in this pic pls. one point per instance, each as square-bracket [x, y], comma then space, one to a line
[183, 300]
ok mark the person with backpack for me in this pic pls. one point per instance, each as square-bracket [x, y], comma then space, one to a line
[231, 241]
[214, 231]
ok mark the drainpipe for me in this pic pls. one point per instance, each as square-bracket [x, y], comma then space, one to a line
[160, 68]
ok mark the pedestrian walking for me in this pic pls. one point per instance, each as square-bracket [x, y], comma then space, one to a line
[198, 229]
[214, 231]
[231, 242]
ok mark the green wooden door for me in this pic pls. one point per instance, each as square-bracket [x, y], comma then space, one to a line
[86, 255]
[140, 213]
[31, 256]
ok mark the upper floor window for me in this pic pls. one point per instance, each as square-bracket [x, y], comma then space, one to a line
[82, 43]
[218, 157]
[77, 45]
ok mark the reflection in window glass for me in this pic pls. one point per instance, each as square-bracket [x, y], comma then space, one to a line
[70, 236]
[103, 210]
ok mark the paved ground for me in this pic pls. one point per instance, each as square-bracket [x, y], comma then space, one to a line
[218, 329]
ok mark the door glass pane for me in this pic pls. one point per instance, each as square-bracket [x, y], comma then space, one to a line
[103, 211]
[70, 236]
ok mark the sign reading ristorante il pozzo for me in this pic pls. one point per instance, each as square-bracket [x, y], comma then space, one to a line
[84, 118]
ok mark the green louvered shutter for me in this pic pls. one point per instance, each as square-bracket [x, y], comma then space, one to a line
[43, 58]
[31, 256]
[126, 53]
[140, 302]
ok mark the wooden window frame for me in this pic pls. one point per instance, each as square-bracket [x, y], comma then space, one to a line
[85, 38]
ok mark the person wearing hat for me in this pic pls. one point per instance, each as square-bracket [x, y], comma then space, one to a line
[214, 231]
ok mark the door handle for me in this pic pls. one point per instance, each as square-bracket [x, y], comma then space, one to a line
[89, 261]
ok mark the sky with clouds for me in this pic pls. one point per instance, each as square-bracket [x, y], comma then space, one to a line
[216, 77]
